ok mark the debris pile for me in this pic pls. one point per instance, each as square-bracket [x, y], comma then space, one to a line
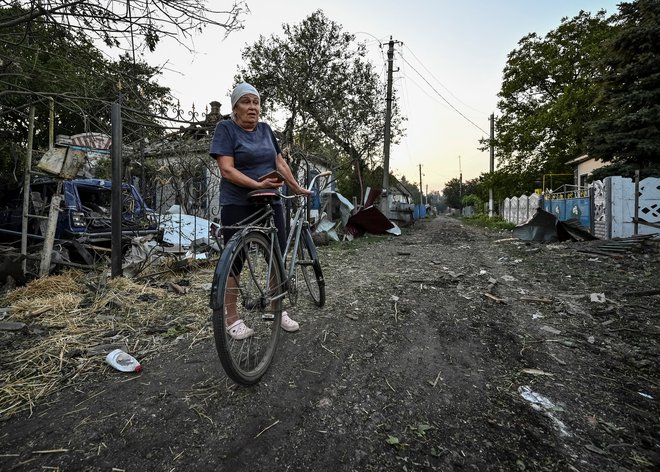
[620, 247]
[59, 328]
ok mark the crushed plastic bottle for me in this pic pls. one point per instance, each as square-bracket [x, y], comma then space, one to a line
[123, 361]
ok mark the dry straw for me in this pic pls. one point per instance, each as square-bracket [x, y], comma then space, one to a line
[72, 320]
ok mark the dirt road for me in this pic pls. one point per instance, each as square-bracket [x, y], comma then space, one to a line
[446, 348]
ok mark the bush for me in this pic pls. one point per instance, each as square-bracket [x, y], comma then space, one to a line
[473, 201]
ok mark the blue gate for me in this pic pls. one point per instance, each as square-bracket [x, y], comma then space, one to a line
[419, 211]
[572, 204]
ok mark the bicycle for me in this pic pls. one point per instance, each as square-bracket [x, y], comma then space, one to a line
[251, 280]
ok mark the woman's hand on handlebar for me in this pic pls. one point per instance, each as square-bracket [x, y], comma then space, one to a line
[303, 192]
[276, 184]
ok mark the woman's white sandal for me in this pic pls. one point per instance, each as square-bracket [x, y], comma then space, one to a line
[239, 330]
[288, 324]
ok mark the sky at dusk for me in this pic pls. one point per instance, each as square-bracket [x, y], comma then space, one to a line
[448, 58]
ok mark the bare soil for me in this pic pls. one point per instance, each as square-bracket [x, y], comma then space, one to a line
[447, 348]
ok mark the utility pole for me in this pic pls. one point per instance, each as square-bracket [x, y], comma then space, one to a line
[385, 198]
[26, 187]
[460, 182]
[492, 164]
[421, 194]
[116, 155]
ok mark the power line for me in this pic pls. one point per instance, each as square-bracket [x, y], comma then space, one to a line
[443, 85]
[380, 47]
[442, 97]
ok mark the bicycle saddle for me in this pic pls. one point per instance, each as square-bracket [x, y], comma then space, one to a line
[262, 195]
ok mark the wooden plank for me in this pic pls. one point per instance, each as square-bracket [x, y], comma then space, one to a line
[54, 213]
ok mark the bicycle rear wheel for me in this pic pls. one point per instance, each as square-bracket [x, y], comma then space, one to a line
[308, 262]
[248, 285]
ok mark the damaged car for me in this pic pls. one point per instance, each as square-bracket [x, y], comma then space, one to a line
[85, 211]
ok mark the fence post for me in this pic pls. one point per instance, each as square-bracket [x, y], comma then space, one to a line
[636, 211]
[115, 241]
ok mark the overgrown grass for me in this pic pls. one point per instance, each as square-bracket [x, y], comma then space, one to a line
[482, 220]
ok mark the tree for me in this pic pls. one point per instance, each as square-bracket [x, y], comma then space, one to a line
[43, 62]
[548, 95]
[49, 55]
[321, 82]
[628, 129]
[131, 24]
[507, 183]
[48, 49]
[455, 190]
[473, 201]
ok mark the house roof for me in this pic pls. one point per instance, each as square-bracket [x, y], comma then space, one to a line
[401, 187]
[579, 160]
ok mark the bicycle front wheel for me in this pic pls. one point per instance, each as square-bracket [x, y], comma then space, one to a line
[308, 262]
[247, 299]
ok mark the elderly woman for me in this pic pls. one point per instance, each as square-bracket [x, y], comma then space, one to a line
[246, 149]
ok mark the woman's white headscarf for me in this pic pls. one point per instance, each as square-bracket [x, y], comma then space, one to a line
[242, 89]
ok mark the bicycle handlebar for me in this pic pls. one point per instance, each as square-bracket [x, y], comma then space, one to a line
[311, 184]
[322, 174]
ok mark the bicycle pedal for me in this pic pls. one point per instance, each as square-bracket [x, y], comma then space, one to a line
[268, 317]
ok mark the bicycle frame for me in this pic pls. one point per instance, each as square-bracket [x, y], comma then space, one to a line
[250, 282]
[297, 225]
[266, 225]
[270, 231]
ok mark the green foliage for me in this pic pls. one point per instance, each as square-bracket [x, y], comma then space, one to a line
[508, 183]
[393, 441]
[625, 169]
[548, 95]
[44, 64]
[175, 331]
[591, 86]
[44, 61]
[473, 201]
[103, 169]
[628, 129]
[421, 429]
[455, 190]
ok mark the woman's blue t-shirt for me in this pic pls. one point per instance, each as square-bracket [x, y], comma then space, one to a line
[254, 154]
